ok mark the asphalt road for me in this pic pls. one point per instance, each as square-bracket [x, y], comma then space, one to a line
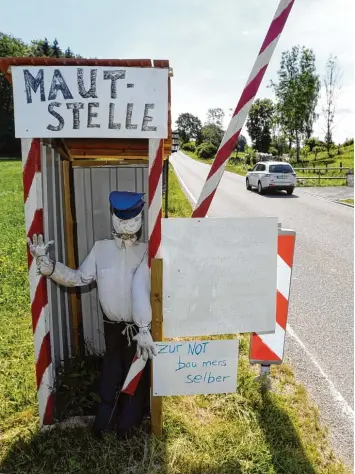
[320, 338]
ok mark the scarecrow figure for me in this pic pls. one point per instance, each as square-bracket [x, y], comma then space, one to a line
[120, 269]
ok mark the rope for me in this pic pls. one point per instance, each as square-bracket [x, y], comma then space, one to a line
[130, 331]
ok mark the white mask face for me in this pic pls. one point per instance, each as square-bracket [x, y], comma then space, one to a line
[129, 226]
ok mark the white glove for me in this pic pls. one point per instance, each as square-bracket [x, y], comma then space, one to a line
[39, 250]
[145, 344]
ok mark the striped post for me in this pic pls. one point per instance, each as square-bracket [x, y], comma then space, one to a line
[241, 112]
[32, 183]
[155, 190]
[154, 240]
[268, 349]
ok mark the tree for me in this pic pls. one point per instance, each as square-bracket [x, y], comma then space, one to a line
[9, 46]
[215, 117]
[41, 48]
[213, 134]
[297, 93]
[57, 52]
[69, 53]
[188, 127]
[46, 48]
[259, 124]
[15, 47]
[311, 142]
[241, 143]
[332, 86]
[206, 150]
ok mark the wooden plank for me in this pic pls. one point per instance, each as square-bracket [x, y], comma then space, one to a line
[107, 144]
[107, 162]
[107, 154]
[69, 245]
[157, 334]
[112, 149]
[62, 145]
[104, 156]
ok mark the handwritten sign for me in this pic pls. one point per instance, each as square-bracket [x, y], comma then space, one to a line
[101, 102]
[195, 367]
[219, 275]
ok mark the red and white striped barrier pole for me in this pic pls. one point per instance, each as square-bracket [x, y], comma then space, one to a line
[267, 349]
[154, 240]
[32, 183]
[241, 112]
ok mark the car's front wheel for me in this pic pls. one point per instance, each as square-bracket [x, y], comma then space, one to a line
[260, 188]
[247, 184]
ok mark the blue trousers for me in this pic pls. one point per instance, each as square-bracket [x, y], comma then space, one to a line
[118, 410]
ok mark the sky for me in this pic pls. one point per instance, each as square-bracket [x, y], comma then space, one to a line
[211, 45]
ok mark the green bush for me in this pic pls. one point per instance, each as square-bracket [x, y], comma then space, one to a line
[189, 146]
[349, 141]
[316, 150]
[273, 151]
[206, 150]
[247, 159]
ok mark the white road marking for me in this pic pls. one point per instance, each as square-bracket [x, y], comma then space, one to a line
[337, 396]
[186, 189]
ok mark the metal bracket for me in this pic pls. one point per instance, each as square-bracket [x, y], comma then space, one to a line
[264, 377]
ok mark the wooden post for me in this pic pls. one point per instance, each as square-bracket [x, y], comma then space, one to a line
[166, 188]
[157, 334]
[70, 252]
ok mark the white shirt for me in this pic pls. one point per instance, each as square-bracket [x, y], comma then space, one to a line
[120, 269]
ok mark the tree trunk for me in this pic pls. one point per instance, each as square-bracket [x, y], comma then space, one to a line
[297, 148]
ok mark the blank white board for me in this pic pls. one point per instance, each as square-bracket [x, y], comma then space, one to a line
[195, 367]
[219, 275]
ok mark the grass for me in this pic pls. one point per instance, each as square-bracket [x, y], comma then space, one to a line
[238, 168]
[178, 204]
[246, 432]
[346, 158]
[348, 201]
[236, 165]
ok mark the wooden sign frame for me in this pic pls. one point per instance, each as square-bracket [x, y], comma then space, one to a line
[158, 335]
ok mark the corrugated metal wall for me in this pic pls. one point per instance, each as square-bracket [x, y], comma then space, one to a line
[92, 188]
[54, 218]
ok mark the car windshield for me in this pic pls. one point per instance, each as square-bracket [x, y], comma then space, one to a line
[280, 169]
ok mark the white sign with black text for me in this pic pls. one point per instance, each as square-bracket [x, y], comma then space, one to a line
[92, 102]
[195, 367]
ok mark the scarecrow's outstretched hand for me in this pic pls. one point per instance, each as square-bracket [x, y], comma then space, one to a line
[145, 344]
[39, 251]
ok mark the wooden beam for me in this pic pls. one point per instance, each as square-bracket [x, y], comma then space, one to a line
[112, 148]
[70, 252]
[64, 146]
[95, 163]
[102, 155]
[157, 334]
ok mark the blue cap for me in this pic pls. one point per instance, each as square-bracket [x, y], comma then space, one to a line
[126, 205]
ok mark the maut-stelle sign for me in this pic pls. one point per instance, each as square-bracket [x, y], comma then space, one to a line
[91, 102]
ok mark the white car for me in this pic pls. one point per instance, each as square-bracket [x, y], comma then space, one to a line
[271, 175]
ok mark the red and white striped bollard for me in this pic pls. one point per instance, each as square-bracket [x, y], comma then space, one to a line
[32, 184]
[154, 240]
